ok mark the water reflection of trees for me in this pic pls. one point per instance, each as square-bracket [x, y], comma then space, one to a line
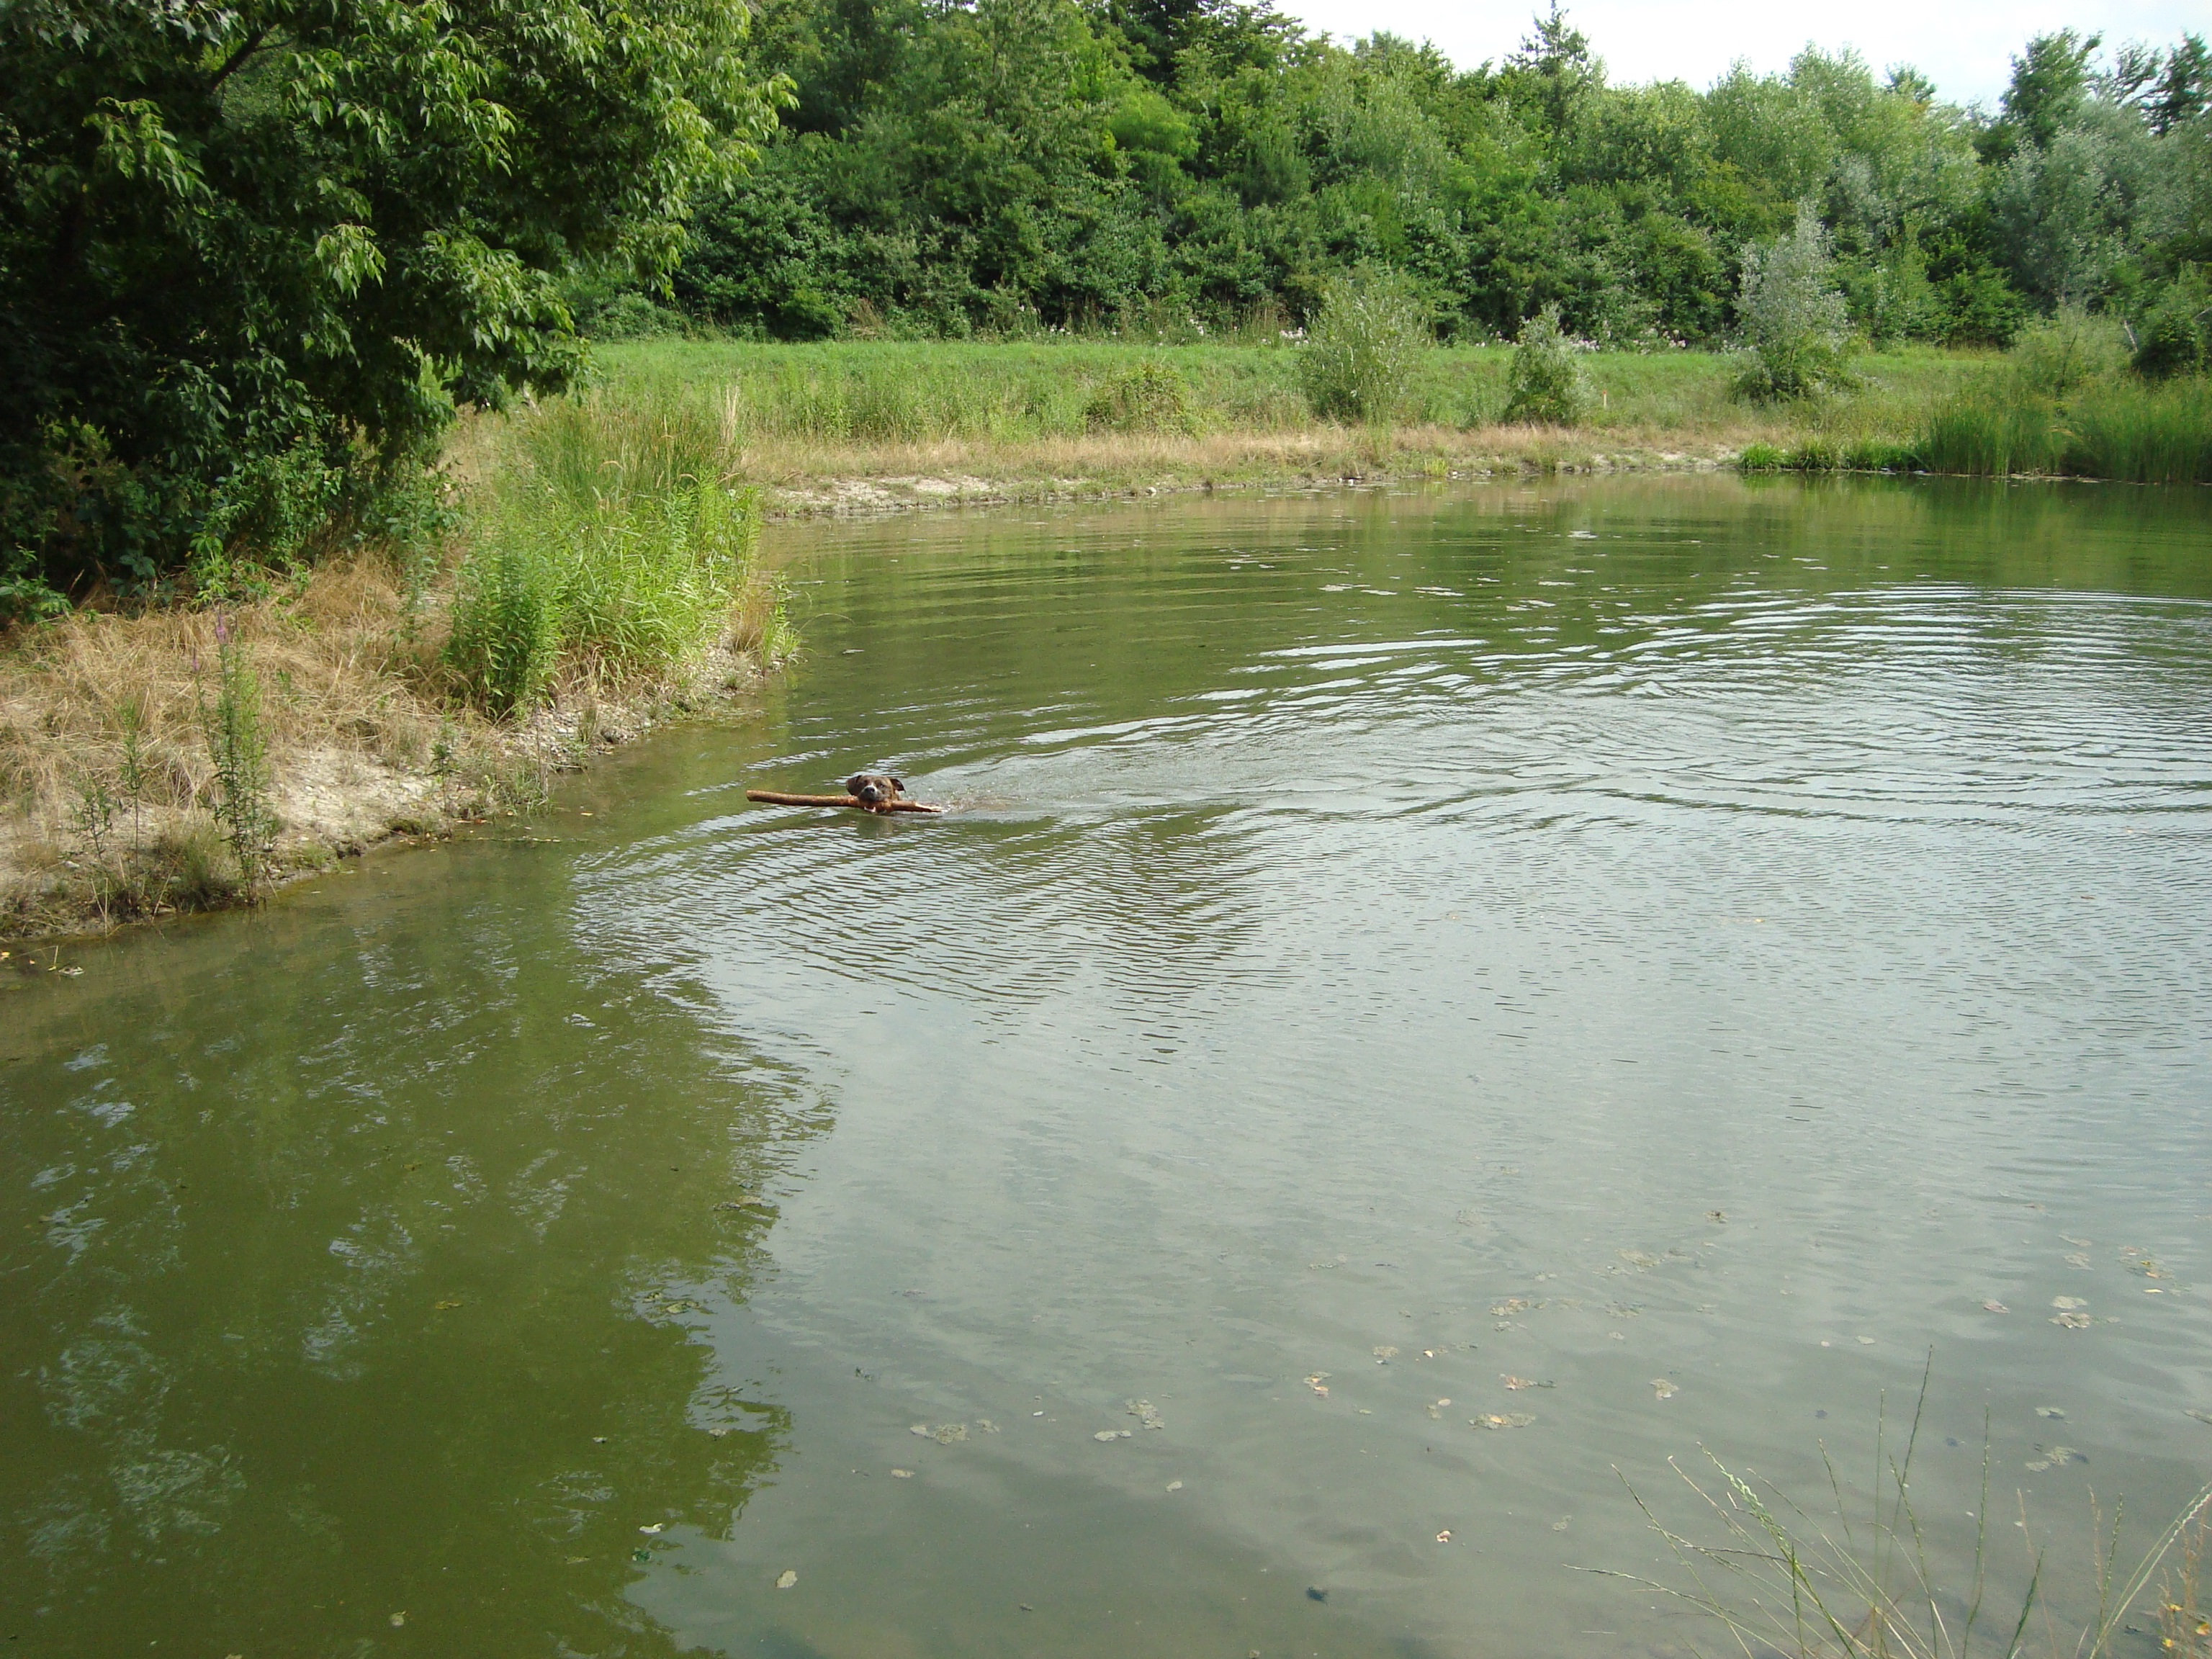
[358, 1261]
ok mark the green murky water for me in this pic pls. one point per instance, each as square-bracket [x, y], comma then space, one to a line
[1381, 940]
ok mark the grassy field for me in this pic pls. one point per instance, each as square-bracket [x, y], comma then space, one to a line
[860, 425]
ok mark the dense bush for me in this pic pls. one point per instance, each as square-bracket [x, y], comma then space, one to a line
[2173, 335]
[2057, 356]
[1549, 387]
[1363, 347]
[1148, 398]
[249, 254]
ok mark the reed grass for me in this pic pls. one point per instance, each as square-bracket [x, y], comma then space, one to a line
[836, 395]
[2118, 427]
[2142, 433]
[1782, 1581]
[610, 547]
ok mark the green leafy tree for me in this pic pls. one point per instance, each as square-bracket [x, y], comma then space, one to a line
[2050, 81]
[228, 230]
[2071, 211]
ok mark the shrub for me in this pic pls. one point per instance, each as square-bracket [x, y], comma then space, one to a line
[2174, 334]
[2057, 356]
[267, 514]
[1150, 397]
[1793, 318]
[1361, 348]
[1549, 385]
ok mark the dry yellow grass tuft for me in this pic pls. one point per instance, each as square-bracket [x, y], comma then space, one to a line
[109, 777]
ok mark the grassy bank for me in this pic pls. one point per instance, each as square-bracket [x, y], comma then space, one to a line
[2064, 402]
[861, 425]
[188, 757]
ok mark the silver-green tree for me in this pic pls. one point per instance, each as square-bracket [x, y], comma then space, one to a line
[1793, 316]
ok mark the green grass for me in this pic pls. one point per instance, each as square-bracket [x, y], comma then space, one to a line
[1828, 455]
[2118, 428]
[877, 392]
[608, 542]
[2142, 433]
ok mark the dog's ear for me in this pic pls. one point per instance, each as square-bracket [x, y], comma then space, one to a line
[899, 784]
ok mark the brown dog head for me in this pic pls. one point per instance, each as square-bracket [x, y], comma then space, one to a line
[875, 788]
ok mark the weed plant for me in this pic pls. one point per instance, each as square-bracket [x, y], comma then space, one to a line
[1782, 1582]
[506, 627]
[1824, 454]
[2140, 432]
[237, 743]
[2184, 1622]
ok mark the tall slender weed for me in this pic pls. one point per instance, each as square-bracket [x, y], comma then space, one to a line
[238, 743]
[1779, 1580]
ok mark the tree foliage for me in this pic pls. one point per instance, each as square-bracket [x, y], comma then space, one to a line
[957, 165]
[232, 232]
[251, 252]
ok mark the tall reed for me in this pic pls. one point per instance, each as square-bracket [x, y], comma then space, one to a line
[2122, 429]
[2142, 433]
[610, 545]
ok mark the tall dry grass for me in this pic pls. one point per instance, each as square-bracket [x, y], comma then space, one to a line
[106, 769]
[114, 801]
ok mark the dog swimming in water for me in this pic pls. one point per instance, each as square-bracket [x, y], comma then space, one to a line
[875, 790]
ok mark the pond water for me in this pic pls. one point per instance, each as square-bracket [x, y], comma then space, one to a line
[1695, 949]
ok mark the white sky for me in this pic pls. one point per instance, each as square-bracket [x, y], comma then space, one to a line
[1965, 47]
